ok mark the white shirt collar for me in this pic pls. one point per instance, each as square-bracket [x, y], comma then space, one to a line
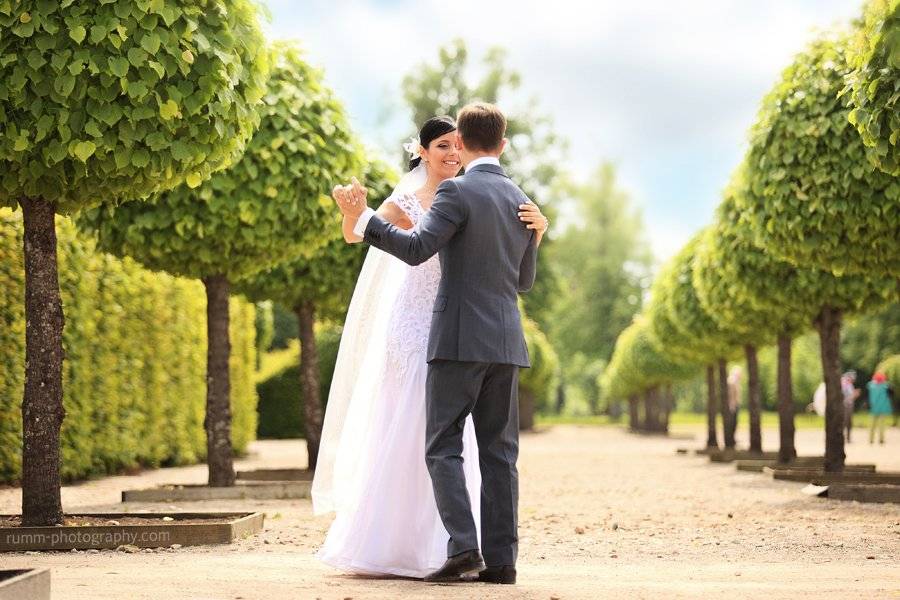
[483, 160]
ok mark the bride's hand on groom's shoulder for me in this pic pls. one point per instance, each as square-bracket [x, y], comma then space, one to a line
[530, 214]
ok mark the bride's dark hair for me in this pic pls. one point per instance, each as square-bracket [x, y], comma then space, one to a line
[432, 129]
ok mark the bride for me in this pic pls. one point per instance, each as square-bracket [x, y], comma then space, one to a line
[371, 469]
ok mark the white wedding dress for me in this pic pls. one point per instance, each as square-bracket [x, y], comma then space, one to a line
[394, 528]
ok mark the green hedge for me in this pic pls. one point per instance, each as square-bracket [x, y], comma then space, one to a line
[542, 378]
[891, 369]
[280, 397]
[134, 374]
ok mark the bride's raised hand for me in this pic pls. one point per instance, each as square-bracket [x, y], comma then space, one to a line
[530, 214]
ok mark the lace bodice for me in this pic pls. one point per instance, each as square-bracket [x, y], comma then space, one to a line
[411, 317]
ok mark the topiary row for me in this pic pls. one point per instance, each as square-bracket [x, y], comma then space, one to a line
[135, 362]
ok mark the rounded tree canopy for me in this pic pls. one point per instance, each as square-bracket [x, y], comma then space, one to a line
[270, 206]
[326, 278]
[875, 54]
[690, 319]
[817, 200]
[756, 295]
[665, 336]
[638, 365]
[743, 287]
[110, 101]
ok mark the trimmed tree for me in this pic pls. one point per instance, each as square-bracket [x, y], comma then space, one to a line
[317, 287]
[639, 368]
[697, 332]
[815, 200]
[270, 206]
[668, 339]
[711, 282]
[757, 296]
[693, 321]
[99, 103]
[873, 83]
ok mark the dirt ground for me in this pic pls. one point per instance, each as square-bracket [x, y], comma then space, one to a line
[604, 514]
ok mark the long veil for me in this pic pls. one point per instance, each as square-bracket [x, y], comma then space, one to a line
[358, 374]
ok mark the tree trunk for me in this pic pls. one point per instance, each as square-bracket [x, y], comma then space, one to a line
[633, 419]
[217, 422]
[667, 408]
[754, 400]
[42, 405]
[526, 409]
[711, 437]
[728, 420]
[786, 450]
[309, 381]
[649, 410]
[829, 325]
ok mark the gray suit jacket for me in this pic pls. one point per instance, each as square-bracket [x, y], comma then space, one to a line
[487, 257]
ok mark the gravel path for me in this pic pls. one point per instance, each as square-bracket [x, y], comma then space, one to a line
[604, 514]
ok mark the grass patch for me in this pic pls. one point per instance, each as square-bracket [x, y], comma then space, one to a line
[769, 420]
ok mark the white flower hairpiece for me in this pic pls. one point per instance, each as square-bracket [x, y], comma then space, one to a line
[412, 147]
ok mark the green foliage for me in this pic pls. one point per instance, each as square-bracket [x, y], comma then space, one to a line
[286, 326]
[281, 397]
[697, 332]
[891, 369]
[111, 101]
[604, 262]
[268, 207]
[742, 286]
[816, 199]
[134, 375]
[326, 278]
[749, 291]
[543, 376]
[869, 338]
[665, 336]
[875, 56]
[637, 365]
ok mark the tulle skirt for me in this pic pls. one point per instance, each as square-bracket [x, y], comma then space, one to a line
[395, 528]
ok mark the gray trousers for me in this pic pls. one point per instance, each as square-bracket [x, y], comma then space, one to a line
[488, 391]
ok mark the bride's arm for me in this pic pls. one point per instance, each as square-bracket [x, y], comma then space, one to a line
[388, 211]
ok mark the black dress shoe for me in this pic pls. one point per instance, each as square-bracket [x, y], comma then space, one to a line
[458, 567]
[505, 574]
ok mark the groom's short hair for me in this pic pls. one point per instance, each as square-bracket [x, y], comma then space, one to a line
[481, 126]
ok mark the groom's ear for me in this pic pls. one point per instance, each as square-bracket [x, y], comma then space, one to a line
[459, 142]
[503, 146]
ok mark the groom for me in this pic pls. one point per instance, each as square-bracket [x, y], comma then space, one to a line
[476, 345]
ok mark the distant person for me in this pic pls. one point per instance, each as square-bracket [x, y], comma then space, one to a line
[879, 406]
[848, 389]
[818, 402]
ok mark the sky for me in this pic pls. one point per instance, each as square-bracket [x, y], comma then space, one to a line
[665, 90]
